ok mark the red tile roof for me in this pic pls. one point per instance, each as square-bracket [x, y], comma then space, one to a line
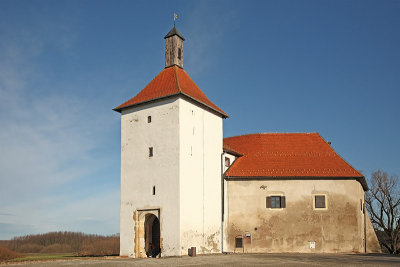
[287, 155]
[169, 82]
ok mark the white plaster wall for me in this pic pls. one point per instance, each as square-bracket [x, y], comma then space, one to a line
[226, 202]
[139, 172]
[200, 178]
[231, 157]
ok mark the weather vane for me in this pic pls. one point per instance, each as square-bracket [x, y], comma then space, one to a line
[175, 18]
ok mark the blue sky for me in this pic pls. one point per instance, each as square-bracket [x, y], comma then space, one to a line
[331, 67]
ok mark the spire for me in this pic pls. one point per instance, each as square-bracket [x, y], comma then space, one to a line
[172, 32]
[174, 48]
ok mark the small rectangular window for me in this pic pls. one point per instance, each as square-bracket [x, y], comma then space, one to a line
[148, 119]
[150, 151]
[238, 242]
[227, 162]
[154, 190]
[320, 202]
[276, 202]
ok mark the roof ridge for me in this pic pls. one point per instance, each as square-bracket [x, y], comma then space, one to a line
[177, 79]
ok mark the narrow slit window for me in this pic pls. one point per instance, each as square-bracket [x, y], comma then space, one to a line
[148, 119]
[179, 53]
[150, 151]
[154, 190]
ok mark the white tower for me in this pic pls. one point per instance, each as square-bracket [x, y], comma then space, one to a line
[171, 146]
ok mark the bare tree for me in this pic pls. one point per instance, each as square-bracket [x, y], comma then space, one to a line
[383, 205]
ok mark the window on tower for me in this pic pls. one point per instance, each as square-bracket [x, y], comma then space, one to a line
[148, 119]
[179, 53]
[150, 151]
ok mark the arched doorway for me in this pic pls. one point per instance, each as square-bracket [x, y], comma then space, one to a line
[147, 229]
[152, 235]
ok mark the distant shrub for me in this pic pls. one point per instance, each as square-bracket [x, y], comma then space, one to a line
[7, 254]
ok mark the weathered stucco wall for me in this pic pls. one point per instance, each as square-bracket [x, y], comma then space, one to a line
[200, 179]
[338, 228]
[373, 245]
[139, 172]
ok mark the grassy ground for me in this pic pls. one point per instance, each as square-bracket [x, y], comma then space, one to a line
[42, 257]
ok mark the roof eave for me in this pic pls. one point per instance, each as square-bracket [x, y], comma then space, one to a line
[119, 108]
[232, 152]
[174, 31]
[360, 179]
[224, 115]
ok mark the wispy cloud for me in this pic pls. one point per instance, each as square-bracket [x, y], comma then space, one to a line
[47, 139]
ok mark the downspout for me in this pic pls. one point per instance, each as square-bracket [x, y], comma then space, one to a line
[222, 202]
[365, 227]
[203, 183]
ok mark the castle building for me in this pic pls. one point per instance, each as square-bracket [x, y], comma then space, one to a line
[183, 185]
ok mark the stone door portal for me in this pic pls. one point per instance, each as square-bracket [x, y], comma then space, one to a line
[147, 233]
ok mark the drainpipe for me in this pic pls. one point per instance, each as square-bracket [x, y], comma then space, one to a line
[222, 202]
[365, 227]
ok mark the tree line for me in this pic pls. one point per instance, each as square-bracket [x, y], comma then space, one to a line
[79, 244]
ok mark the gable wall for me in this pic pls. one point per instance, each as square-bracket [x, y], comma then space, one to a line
[339, 228]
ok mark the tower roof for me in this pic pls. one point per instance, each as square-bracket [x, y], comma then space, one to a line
[172, 81]
[172, 32]
[287, 155]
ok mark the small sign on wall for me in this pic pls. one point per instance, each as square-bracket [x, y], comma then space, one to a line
[312, 244]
